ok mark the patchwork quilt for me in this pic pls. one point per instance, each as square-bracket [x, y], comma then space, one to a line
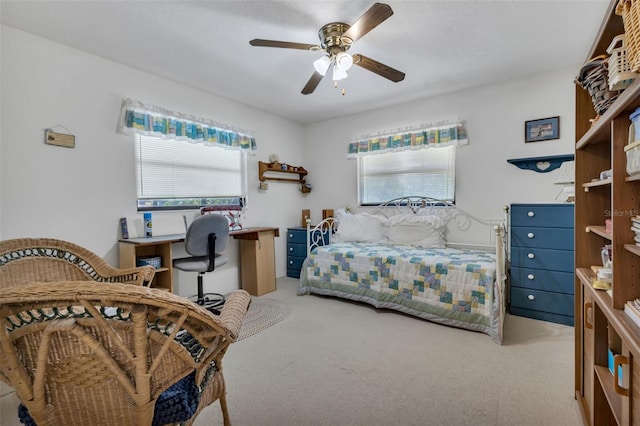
[450, 286]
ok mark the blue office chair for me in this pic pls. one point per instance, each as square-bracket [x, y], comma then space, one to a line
[206, 237]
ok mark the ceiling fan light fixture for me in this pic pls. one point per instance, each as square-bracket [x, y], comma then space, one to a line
[322, 65]
[336, 38]
[338, 73]
[344, 61]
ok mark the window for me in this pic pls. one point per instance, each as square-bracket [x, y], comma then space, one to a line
[425, 172]
[173, 174]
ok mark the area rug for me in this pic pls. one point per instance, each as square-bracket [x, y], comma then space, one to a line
[262, 314]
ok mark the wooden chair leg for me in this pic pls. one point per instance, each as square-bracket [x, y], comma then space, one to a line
[225, 410]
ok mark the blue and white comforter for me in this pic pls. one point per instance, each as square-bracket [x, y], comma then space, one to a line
[450, 286]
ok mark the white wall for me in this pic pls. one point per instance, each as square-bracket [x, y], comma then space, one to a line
[495, 118]
[79, 194]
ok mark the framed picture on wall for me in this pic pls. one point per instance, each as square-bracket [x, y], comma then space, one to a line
[543, 129]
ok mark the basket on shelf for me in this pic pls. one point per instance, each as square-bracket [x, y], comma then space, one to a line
[153, 260]
[630, 12]
[594, 78]
[632, 149]
[619, 69]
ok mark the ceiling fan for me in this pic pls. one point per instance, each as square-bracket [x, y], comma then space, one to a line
[335, 39]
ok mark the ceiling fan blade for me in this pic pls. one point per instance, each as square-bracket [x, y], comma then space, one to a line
[284, 44]
[373, 17]
[378, 68]
[312, 83]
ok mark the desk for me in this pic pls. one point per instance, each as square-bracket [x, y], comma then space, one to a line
[257, 257]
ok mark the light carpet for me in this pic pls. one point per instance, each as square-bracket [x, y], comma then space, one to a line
[262, 314]
[333, 362]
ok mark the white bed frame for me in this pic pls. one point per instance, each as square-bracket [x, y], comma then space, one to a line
[322, 233]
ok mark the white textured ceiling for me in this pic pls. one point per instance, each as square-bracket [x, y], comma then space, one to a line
[442, 46]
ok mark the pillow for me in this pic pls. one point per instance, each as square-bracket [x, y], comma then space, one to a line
[417, 230]
[360, 227]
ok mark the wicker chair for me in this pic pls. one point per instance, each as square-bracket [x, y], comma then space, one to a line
[28, 260]
[81, 352]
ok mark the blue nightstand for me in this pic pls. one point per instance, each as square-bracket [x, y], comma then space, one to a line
[296, 250]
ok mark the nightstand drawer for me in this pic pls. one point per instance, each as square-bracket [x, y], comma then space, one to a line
[546, 215]
[545, 301]
[297, 235]
[561, 239]
[540, 279]
[295, 263]
[297, 250]
[537, 258]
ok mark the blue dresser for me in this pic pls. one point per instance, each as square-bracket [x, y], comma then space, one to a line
[542, 271]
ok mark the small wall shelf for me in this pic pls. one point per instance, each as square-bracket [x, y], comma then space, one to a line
[537, 163]
[266, 171]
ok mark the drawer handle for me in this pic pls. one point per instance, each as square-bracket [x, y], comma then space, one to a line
[291, 262]
[531, 255]
[531, 297]
[618, 360]
[290, 248]
[531, 214]
[530, 276]
[290, 235]
[530, 235]
[587, 308]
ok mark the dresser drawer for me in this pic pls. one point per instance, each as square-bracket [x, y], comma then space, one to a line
[546, 215]
[556, 238]
[539, 279]
[297, 250]
[295, 263]
[543, 316]
[538, 258]
[545, 301]
[297, 235]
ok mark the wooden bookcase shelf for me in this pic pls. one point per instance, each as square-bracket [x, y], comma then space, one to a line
[597, 183]
[275, 171]
[602, 327]
[633, 248]
[600, 230]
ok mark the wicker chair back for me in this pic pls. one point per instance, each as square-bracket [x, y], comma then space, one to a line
[29, 260]
[81, 352]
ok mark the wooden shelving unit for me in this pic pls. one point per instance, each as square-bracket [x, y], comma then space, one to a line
[597, 183]
[131, 249]
[275, 170]
[601, 325]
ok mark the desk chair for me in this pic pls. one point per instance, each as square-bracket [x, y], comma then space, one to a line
[206, 237]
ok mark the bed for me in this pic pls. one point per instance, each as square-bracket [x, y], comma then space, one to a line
[396, 257]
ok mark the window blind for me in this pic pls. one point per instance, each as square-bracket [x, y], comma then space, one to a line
[173, 169]
[424, 172]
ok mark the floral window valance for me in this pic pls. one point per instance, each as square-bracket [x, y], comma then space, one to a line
[425, 136]
[149, 120]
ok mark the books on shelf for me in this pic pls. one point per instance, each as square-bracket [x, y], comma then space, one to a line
[632, 309]
[635, 227]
